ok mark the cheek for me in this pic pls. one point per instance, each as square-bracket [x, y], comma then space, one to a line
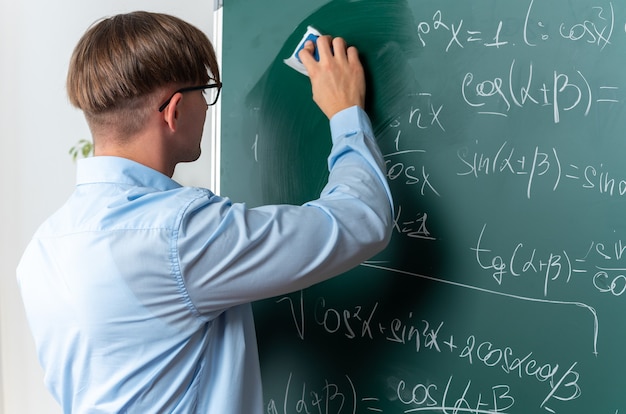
[202, 122]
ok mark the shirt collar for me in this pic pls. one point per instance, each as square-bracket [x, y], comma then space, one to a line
[107, 169]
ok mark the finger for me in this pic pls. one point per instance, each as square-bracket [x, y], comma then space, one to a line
[324, 47]
[306, 53]
[339, 47]
[352, 53]
[308, 48]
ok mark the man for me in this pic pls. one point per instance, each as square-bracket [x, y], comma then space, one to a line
[138, 290]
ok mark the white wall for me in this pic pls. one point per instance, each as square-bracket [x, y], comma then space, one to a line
[37, 128]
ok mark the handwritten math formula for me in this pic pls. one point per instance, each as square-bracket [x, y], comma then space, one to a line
[523, 82]
[369, 323]
[595, 29]
[523, 165]
[342, 396]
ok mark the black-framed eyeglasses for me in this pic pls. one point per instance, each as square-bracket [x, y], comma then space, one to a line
[212, 92]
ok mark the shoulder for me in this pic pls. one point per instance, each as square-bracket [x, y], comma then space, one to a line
[132, 209]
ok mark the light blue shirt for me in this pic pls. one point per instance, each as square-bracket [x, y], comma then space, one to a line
[138, 289]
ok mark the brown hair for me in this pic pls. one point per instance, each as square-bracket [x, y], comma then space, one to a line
[121, 60]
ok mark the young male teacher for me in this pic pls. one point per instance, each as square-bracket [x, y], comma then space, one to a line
[138, 290]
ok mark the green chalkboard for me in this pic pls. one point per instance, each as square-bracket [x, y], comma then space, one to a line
[503, 125]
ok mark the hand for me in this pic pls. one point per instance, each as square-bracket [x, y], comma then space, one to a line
[338, 79]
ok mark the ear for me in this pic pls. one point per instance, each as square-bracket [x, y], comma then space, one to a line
[171, 112]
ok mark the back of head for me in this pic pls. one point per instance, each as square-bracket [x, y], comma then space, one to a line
[120, 61]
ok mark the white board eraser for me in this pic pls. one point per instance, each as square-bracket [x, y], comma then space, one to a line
[294, 61]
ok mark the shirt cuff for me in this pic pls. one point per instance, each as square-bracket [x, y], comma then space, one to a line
[350, 121]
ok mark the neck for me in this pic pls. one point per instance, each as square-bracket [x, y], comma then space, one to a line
[145, 148]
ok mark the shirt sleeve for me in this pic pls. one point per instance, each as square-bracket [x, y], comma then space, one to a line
[228, 254]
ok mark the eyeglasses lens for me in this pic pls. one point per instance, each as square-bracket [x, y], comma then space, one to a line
[210, 95]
